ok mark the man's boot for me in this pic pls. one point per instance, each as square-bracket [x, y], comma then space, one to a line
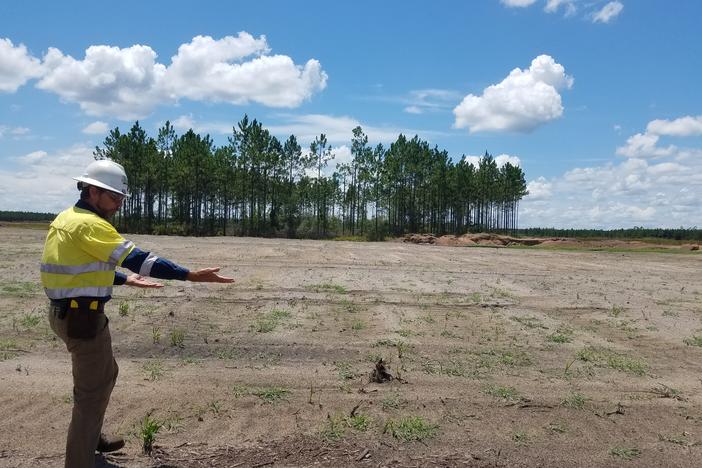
[109, 443]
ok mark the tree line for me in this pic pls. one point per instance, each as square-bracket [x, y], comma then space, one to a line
[257, 185]
[26, 216]
[637, 232]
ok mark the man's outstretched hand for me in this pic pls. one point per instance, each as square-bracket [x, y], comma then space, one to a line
[141, 282]
[208, 275]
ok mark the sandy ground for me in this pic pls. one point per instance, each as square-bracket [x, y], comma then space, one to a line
[501, 357]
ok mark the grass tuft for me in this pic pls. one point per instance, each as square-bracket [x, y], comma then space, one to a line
[411, 428]
[626, 453]
[271, 395]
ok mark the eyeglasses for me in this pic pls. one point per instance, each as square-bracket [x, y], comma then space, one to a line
[117, 198]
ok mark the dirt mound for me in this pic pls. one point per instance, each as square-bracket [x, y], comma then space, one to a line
[496, 240]
[420, 238]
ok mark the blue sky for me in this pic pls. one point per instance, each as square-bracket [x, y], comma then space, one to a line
[598, 101]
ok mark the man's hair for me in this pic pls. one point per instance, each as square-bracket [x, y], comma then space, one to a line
[84, 190]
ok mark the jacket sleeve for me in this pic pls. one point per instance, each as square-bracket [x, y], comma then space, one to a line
[120, 278]
[148, 264]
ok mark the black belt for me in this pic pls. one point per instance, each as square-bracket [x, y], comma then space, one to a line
[62, 306]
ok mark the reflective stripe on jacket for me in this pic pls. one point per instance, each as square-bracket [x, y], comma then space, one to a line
[81, 253]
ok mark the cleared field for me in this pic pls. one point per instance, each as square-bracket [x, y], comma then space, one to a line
[500, 357]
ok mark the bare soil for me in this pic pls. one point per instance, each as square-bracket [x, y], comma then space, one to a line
[498, 357]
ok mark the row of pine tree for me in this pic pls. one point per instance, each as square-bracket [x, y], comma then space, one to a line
[257, 185]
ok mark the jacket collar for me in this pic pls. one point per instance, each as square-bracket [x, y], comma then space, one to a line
[83, 205]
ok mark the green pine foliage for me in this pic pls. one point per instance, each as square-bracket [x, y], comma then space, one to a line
[257, 186]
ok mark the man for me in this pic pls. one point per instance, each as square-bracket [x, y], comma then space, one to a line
[81, 254]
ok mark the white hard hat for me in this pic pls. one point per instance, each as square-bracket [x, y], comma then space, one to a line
[107, 175]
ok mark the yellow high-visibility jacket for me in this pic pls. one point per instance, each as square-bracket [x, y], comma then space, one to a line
[81, 253]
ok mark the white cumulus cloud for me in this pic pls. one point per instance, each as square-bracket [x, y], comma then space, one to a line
[125, 83]
[52, 171]
[655, 186]
[521, 102]
[644, 145]
[608, 12]
[17, 66]
[500, 160]
[539, 189]
[14, 131]
[215, 70]
[96, 128]
[552, 6]
[681, 127]
[128, 83]
[517, 3]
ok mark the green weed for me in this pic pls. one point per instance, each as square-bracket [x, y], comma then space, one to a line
[574, 400]
[30, 320]
[153, 369]
[270, 321]
[520, 438]
[215, 407]
[529, 322]
[693, 341]
[178, 338]
[155, 335]
[359, 422]
[327, 287]
[613, 360]
[149, 429]
[506, 393]
[271, 395]
[239, 391]
[411, 428]
[681, 439]
[7, 349]
[626, 453]
[392, 401]
[123, 309]
[345, 370]
[559, 338]
[334, 428]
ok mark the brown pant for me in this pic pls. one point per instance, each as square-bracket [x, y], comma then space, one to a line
[94, 375]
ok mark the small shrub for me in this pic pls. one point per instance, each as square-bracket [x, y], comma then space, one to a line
[123, 309]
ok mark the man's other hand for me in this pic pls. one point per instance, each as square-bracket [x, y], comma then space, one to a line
[141, 282]
[208, 275]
